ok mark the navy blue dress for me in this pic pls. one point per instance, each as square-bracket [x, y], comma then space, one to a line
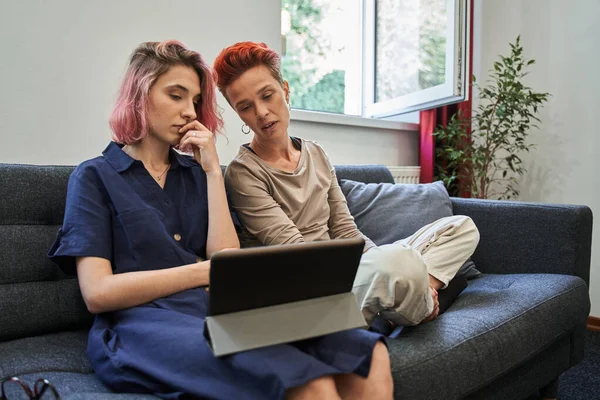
[115, 210]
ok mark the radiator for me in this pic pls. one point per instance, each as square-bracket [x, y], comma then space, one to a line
[405, 174]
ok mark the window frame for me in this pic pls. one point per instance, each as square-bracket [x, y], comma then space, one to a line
[452, 91]
[377, 114]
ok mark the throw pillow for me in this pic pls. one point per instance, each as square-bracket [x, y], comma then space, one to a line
[387, 212]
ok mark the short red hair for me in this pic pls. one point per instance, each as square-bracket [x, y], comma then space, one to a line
[234, 60]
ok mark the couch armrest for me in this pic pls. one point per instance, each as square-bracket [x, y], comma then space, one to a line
[519, 237]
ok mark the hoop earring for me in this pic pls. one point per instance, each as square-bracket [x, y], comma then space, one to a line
[244, 131]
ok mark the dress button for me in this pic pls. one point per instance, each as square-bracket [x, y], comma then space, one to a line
[206, 289]
[177, 237]
[199, 259]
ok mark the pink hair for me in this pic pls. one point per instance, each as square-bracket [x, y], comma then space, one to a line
[148, 62]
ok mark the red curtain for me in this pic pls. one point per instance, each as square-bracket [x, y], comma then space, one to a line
[430, 119]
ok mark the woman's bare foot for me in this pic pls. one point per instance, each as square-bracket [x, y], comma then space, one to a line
[435, 283]
[436, 306]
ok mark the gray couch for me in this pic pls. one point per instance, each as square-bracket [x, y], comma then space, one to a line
[510, 334]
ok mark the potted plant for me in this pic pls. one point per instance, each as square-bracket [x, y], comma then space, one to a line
[487, 164]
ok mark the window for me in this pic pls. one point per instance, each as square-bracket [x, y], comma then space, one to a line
[374, 58]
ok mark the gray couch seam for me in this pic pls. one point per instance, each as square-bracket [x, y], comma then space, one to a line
[491, 329]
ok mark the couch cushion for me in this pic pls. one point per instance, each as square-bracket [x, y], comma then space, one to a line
[63, 351]
[498, 322]
[33, 194]
[35, 308]
[388, 212]
[23, 250]
[78, 386]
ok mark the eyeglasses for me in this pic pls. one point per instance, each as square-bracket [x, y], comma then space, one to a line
[40, 387]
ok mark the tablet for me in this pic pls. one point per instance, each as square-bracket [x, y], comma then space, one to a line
[277, 294]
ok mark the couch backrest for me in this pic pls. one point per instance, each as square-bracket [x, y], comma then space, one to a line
[364, 173]
[36, 297]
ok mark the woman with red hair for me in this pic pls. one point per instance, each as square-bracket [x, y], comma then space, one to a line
[285, 190]
[141, 223]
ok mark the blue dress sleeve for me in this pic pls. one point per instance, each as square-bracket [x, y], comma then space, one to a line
[87, 225]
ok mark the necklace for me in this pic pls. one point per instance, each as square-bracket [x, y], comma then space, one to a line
[159, 177]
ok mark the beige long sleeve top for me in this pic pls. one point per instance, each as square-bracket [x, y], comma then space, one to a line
[280, 207]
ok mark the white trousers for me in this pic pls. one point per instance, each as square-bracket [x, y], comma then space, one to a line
[394, 278]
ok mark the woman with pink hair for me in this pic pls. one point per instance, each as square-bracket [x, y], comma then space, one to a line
[141, 223]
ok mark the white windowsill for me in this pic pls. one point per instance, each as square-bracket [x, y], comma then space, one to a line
[338, 119]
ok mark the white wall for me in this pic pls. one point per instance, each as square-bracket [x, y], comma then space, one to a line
[563, 39]
[62, 61]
